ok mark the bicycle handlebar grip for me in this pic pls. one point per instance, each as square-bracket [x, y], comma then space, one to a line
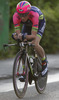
[5, 45]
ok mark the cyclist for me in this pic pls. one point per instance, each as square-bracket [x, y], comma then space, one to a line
[33, 28]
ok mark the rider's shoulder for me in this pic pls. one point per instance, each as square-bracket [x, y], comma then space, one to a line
[15, 14]
[34, 11]
[34, 8]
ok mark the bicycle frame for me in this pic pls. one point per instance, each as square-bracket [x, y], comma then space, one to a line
[27, 56]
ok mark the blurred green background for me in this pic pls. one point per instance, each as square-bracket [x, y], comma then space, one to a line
[50, 39]
[4, 22]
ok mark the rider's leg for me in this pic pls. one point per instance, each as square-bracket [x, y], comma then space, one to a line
[41, 29]
[40, 51]
[39, 48]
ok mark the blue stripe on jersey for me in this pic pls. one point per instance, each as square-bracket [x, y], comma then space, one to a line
[15, 24]
[36, 25]
[35, 9]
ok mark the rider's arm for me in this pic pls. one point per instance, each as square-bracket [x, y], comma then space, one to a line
[16, 22]
[32, 36]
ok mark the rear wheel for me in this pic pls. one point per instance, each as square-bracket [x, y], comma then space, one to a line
[20, 87]
[41, 82]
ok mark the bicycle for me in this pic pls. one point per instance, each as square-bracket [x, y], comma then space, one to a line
[22, 58]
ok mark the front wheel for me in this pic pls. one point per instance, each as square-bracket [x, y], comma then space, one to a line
[20, 87]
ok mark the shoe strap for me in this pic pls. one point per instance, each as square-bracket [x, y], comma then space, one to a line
[44, 63]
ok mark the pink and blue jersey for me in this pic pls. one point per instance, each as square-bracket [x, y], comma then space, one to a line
[35, 17]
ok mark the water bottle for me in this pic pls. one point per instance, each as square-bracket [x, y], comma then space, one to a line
[31, 60]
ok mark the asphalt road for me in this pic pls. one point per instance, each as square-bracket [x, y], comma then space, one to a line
[51, 92]
[52, 88]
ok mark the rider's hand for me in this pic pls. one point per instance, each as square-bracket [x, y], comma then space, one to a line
[20, 36]
[15, 36]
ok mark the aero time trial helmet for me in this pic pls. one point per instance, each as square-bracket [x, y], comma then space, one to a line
[23, 7]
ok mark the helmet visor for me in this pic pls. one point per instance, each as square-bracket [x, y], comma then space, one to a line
[23, 14]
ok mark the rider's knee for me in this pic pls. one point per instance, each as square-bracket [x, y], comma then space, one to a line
[36, 44]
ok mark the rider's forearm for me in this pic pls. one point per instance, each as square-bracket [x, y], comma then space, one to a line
[30, 37]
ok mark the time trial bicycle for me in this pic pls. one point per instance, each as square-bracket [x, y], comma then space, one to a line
[31, 64]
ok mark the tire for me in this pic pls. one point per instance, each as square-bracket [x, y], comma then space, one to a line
[41, 82]
[21, 89]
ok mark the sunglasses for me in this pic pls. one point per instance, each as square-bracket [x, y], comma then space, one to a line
[23, 15]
